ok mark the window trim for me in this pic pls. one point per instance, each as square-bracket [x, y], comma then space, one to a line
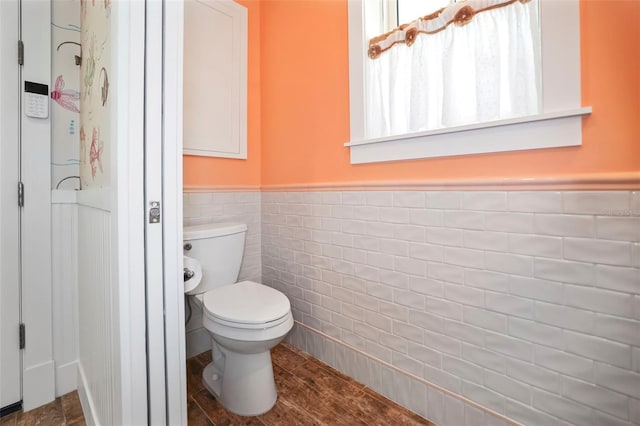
[559, 124]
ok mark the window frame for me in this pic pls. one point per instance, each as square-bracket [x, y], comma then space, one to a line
[558, 125]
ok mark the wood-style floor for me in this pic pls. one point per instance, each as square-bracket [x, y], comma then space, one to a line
[309, 393]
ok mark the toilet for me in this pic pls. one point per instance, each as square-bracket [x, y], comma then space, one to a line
[244, 319]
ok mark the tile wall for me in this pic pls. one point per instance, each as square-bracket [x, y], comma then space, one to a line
[208, 207]
[527, 303]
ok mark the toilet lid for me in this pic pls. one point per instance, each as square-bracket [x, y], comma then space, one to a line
[246, 302]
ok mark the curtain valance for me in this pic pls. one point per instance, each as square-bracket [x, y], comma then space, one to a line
[459, 13]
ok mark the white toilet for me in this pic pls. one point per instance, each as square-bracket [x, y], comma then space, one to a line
[245, 319]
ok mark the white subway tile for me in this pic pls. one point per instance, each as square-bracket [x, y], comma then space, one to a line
[610, 302]
[565, 225]
[511, 305]
[395, 279]
[353, 197]
[618, 228]
[365, 242]
[408, 199]
[618, 379]
[486, 279]
[484, 396]
[418, 398]
[484, 200]
[528, 415]
[486, 240]
[619, 329]
[506, 386]
[509, 263]
[427, 286]
[600, 418]
[435, 401]
[636, 307]
[444, 308]
[463, 219]
[463, 332]
[464, 295]
[408, 331]
[398, 248]
[443, 379]
[445, 272]
[353, 340]
[410, 266]
[391, 341]
[596, 202]
[394, 214]
[535, 245]
[564, 363]
[535, 288]
[485, 319]
[466, 370]
[535, 201]
[409, 299]
[635, 361]
[444, 200]
[426, 217]
[561, 407]
[534, 375]
[635, 411]
[380, 260]
[464, 257]
[513, 347]
[354, 227]
[618, 278]
[379, 229]
[381, 291]
[368, 302]
[598, 251]
[366, 331]
[475, 417]
[532, 331]
[564, 271]
[635, 255]
[426, 321]
[366, 272]
[598, 349]
[394, 311]
[425, 354]
[407, 364]
[425, 251]
[409, 232]
[442, 343]
[594, 396]
[353, 312]
[445, 236]
[484, 358]
[379, 198]
[509, 222]
[453, 411]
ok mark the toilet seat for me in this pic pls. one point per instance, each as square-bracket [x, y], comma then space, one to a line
[246, 305]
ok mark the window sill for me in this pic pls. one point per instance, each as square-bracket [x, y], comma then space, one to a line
[546, 130]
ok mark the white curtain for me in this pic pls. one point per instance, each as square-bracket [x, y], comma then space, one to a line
[483, 71]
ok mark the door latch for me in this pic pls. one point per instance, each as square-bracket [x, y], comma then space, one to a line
[154, 212]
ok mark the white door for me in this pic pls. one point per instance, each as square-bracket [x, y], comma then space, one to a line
[10, 357]
[163, 202]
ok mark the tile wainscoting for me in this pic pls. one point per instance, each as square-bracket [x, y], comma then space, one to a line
[523, 303]
[208, 207]
[526, 303]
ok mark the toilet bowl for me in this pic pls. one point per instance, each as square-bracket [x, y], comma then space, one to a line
[245, 320]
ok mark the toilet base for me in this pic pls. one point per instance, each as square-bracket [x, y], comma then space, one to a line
[246, 387]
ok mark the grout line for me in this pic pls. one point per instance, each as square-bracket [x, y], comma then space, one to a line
[420, 379]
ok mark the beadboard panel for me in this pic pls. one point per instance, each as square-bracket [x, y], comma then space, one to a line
[64, 251]
[525, 303]
[97, 305]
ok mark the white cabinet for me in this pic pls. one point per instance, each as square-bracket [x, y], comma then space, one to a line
[215, 78]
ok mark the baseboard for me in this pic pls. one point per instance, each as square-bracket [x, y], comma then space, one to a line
[198, 341]
[38, 384]
[85, 399]
[434, 403]
[66, 378]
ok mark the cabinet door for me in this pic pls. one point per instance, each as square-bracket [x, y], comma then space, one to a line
[215, 78]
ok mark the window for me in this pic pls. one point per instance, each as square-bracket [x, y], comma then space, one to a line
[555, 123]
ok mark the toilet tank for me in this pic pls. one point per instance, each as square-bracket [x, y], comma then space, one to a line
[219, 248]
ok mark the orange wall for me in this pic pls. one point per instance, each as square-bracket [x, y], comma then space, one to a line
[305, 102]
[299, 105]
[208, 171]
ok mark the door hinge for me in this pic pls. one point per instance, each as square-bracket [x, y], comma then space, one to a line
[22, 336]
[20, 52]
[20, 194]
